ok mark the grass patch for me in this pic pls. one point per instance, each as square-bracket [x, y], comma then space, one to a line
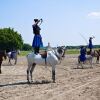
[24, 53]
[69, 51]
[72, 51]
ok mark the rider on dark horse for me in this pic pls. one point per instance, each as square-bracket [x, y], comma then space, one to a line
[82, 54]
[12, 52]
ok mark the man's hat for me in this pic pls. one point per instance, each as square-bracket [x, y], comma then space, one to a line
[36, 20]
[91, 38]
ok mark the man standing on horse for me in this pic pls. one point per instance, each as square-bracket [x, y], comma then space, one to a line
[90, 46]
[37, 41]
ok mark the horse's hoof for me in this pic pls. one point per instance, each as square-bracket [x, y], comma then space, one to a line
[54, 81]
[28, 82]
[31, 81]
[82, 68]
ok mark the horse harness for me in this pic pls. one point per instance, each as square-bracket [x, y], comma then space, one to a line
[44, 55]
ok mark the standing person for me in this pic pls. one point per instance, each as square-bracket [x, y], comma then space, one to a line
[90, 46]
[49, 47]
[37, 40]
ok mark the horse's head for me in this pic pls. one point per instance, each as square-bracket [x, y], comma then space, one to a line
[61, 51]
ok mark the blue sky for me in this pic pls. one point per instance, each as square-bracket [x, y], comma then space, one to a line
[65, 22]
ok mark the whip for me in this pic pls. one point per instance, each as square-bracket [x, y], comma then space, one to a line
[84, 38]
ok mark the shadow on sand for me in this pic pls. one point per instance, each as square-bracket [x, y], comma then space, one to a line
[23, 83]
[83, 68]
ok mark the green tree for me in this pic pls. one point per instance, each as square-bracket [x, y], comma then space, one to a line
[26, 47]
[10, 39]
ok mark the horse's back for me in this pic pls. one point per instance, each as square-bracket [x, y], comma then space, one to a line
[88, 57]
[12, 54]
[33, 58]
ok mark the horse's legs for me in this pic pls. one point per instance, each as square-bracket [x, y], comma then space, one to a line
[28, 70]
[82, 64]
[53, 73]
[9, 60]
[91, 62]
[78, 62]
[31, 70]
[97, 61]
[15, 60]
[0, 67]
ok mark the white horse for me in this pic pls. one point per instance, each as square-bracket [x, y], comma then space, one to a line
[51, 59]
[89, 59]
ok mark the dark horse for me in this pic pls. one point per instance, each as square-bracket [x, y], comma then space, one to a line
[95, 53]
[2, 54]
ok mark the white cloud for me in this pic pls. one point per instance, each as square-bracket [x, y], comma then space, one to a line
[94, 14]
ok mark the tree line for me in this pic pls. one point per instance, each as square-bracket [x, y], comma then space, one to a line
[78, 47]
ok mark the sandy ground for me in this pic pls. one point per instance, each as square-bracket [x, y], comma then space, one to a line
[71, 83]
